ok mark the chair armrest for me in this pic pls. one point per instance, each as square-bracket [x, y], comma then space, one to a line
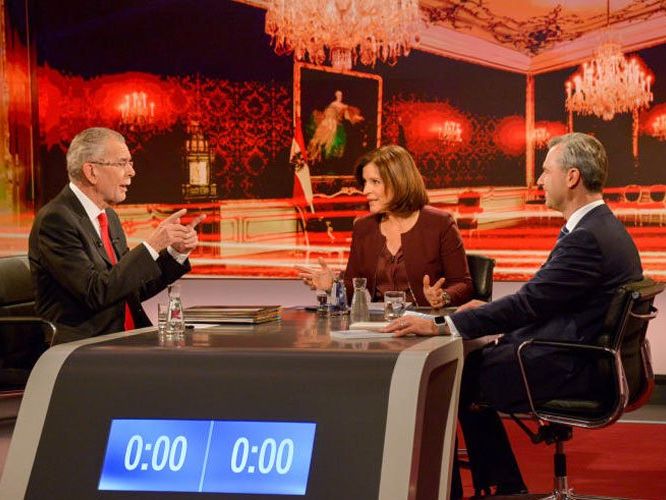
[47, 327]
[23, 339]
[652, 314]
[601, 351]
[564, 345]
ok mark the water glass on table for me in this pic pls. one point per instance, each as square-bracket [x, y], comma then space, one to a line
[322, 303]
[162, 312]
[394, 304]
[175, 323]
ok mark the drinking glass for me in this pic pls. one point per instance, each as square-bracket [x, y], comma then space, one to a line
[394, 304]
[162, 312]
[175, 314]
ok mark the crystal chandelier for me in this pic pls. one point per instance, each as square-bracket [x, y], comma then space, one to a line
[659, 128]
[135, 110]
[449, 132]
[344, 31]
[609, 83]
[540, 136]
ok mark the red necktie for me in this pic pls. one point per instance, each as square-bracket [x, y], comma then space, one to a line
[111, 254]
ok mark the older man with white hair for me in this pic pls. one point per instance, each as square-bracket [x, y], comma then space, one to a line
[87, 281]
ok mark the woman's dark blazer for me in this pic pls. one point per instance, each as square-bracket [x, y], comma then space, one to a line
[433, 247]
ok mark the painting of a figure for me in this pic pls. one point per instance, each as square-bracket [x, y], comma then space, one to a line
[340, 117]
[329, 138]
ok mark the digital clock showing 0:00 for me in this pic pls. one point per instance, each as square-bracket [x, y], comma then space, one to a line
[208, 456]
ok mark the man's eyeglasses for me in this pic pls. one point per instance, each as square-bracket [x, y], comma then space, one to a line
[122, 163]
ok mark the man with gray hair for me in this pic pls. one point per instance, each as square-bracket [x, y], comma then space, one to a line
[567, 300]
[86, 279]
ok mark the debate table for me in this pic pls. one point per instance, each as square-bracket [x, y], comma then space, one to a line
[276, 410]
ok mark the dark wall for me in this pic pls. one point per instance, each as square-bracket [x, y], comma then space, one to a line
[479, 97]
[208, 60]
[218, 38]
[476, 89]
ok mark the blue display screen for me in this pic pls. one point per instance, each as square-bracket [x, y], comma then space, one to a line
[208, 456]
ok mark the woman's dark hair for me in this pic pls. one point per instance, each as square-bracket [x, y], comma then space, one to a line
[404, 184]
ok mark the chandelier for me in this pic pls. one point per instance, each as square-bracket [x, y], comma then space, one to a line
[344, 31]
[541, 136]
[608, 84]
[659, 128]
[135, 110]
[449, 132]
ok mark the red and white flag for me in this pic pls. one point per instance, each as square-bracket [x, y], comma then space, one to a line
[302, 183]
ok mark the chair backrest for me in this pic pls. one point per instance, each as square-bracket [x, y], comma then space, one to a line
[481, 271]
[22, 341]
[625, 329]
[621, 377]
[23, 337]
[17, 296]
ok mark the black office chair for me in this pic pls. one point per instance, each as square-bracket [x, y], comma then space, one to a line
[23, 339]
[481, 271]
[622, 366]
[23, 336]
[17, 297]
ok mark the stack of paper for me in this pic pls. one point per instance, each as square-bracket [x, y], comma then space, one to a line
[359, 334]
[232, 314]
[362, 330]
[368, 325]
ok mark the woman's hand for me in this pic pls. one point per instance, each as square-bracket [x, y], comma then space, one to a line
[434, 294]
[317, 279]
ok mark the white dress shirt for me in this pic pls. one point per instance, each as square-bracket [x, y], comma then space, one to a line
[93, 211]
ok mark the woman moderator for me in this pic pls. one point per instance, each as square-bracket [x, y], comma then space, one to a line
[403, 244]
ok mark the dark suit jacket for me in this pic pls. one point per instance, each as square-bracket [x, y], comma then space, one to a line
[76, 286]
[567, 299]
[433, 247]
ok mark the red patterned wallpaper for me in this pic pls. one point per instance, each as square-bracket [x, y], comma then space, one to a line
[246, 123]
[475, 157]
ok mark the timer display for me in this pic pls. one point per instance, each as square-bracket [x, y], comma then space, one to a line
[208, 456]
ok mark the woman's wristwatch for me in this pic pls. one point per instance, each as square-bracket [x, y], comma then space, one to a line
[446, 298]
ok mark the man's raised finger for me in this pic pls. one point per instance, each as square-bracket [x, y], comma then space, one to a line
[195, 222]
[173, 218]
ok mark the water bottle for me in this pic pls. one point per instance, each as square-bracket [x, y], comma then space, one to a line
[342, 293]
[338, 301]
[175, 316]
[322, 303]
[359, 305]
